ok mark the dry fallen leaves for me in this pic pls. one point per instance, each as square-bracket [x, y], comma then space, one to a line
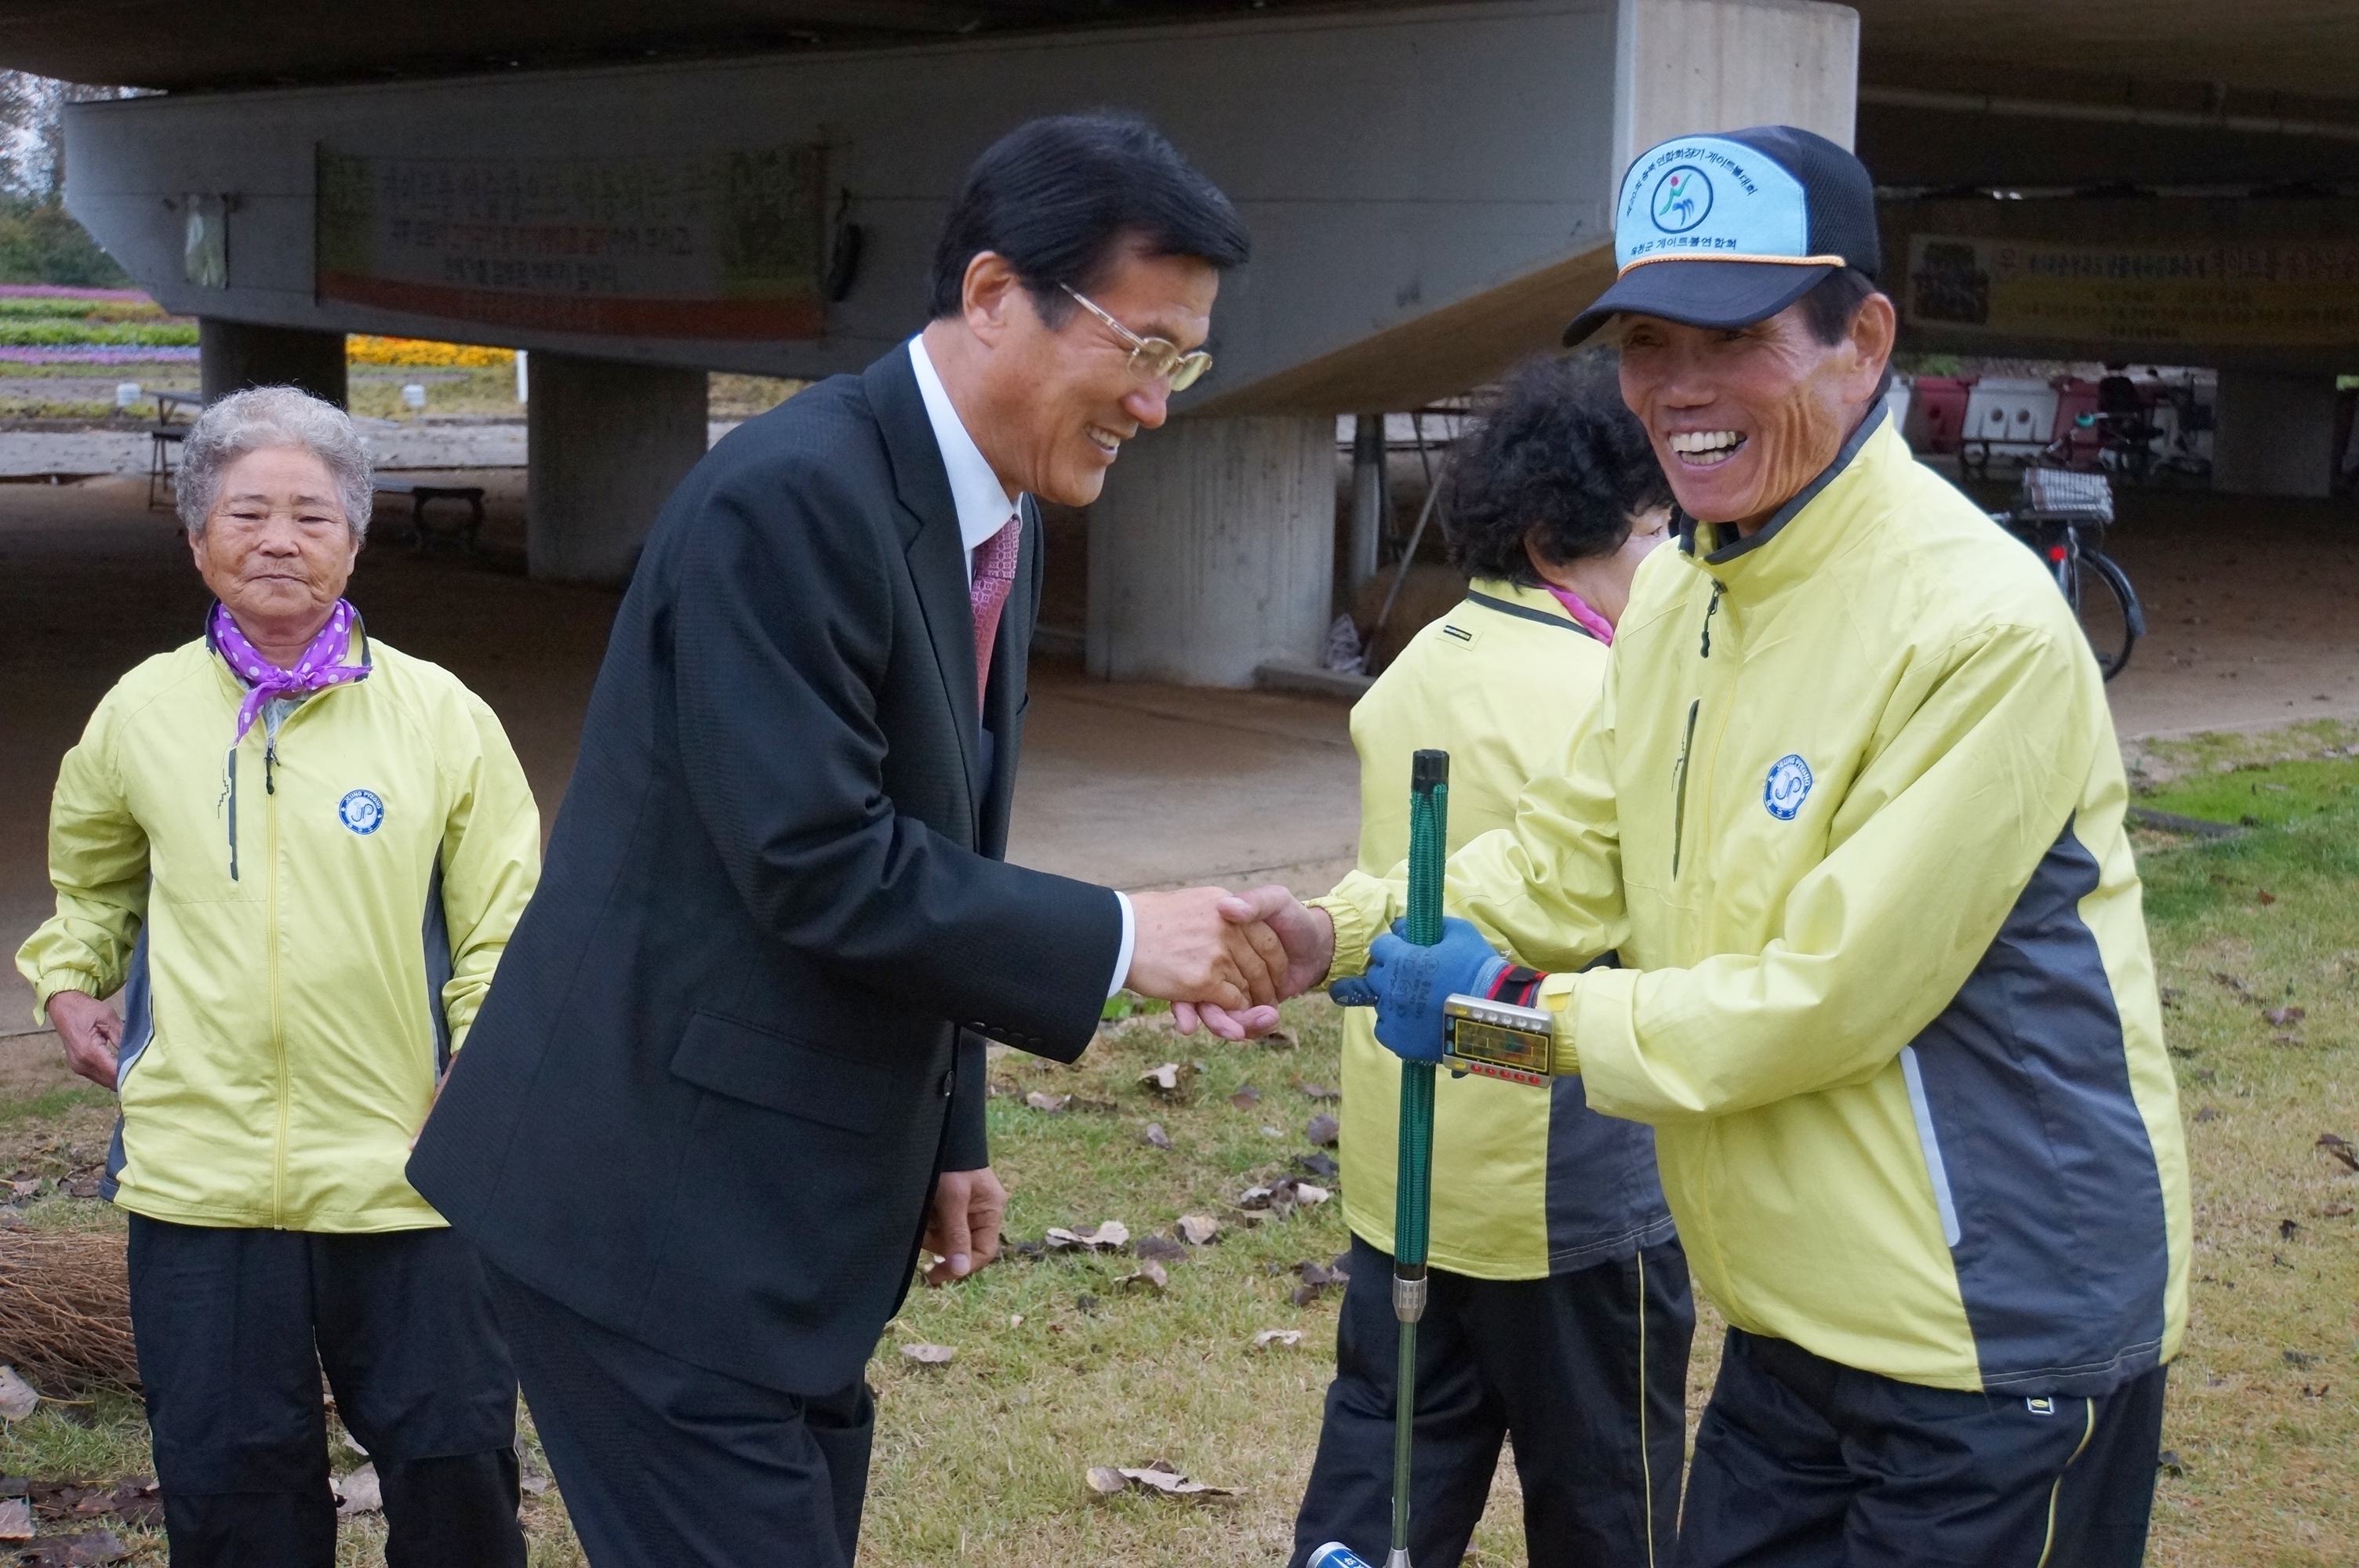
[17, 1397]
[2286, 1017]
[1108, 1236]
[83, 1551]
[1198, 1229]
[929, 1354]
[1322, 1131]
[1039, 1101]
[1154, 1137]
[1246, 1097]
[1266, 1337]
[1318, 1278]
[1283, 1196]
[1156, 1476]
[16, 1519]
[1318, 1091]
[1151, 1274]
[1319, 1163]
[2339, 1147]
[1164, 1078]
[1161, 1248]
[359, 1493]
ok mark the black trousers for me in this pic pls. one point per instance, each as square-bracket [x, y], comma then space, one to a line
[1801, 1463]
[1586, 1371]
[666, 1465]
[235, 1327]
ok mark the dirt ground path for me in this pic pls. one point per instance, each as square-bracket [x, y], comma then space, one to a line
[2251, 604]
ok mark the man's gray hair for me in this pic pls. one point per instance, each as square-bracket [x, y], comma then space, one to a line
[264, 416]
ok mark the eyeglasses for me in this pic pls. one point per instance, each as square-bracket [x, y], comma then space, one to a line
[1154, 358]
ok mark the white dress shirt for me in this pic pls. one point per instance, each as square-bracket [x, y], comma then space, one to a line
[985, 507]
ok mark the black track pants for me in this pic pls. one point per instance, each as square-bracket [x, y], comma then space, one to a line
[235, 1327]
[1586, 1371]
[1801, 1463]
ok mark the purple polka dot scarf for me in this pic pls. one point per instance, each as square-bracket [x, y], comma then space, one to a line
[315, 670]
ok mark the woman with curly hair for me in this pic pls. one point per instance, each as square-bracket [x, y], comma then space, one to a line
[1559, 1313]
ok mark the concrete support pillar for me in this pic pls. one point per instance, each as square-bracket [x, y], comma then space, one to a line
[234, 355]
[607, 444]
[1367, 499]
[1212, 549]
[2273, 434]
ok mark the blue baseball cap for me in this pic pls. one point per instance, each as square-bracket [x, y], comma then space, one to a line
[1729, 228]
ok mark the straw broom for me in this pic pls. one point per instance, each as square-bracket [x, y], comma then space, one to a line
[65, 1308]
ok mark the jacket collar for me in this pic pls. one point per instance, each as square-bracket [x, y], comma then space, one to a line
[1504, 597]
[1744, 559]
[982, 505]
[929, 537]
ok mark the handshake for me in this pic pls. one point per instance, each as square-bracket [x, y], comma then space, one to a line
[1226, 961]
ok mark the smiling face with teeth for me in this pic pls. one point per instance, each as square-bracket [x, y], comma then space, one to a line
[1050, 406]
[1742, 418]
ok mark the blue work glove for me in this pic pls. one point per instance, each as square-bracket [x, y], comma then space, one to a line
[1407, 985]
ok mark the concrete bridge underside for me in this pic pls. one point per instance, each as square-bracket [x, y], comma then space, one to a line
[1429, 187]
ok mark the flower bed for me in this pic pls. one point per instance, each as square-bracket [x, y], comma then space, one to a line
[41, 333]
[91, 354]
[363, 349]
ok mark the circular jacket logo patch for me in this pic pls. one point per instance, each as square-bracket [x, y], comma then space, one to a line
[1682, 199]
[363, 812]
[1789, 785]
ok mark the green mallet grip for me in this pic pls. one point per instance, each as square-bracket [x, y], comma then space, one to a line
[1429, 838]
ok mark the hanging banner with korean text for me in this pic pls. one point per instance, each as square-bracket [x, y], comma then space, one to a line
[717, 246]
[2261, 294]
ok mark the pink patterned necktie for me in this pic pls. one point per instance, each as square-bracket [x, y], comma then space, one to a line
[994, 574]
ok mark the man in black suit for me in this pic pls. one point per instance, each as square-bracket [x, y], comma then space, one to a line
[737, 1039]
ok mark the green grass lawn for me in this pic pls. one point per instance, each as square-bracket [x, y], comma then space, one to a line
[1060, 1365]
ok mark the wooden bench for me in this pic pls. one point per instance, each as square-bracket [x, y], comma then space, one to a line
[420, 493]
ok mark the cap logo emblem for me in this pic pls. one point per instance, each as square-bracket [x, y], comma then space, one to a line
[1788, 786]
[1682, 199]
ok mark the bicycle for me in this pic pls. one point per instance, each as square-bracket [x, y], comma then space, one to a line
[2061, 515]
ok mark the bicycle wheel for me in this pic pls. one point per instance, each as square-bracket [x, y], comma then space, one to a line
[2105, 604]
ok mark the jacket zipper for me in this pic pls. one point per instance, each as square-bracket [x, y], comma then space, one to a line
[1718, 588]
[230, 764]
[1679, 789]
[277, 1018]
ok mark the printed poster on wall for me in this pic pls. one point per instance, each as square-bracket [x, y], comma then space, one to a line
[712, 246]
[2288, 293]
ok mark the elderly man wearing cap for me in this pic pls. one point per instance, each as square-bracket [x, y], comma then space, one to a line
[1850, 808]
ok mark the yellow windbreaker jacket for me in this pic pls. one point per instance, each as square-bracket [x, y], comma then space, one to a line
[1849, 806]
[284, 1026]
[1526, 1181]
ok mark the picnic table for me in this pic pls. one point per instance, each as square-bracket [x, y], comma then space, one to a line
[421, 493]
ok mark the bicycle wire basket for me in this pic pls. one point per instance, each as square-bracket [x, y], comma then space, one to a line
[2065, 493]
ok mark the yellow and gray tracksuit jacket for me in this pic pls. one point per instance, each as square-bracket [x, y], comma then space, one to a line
[1526, 1181]
[284, 1026]
[1850, 808]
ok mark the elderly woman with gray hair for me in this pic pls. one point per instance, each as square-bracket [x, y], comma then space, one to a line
[296, 854]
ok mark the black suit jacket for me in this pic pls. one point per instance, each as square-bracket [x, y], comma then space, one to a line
[740, 1028]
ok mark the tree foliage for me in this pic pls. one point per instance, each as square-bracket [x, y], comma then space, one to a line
[39, 240]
